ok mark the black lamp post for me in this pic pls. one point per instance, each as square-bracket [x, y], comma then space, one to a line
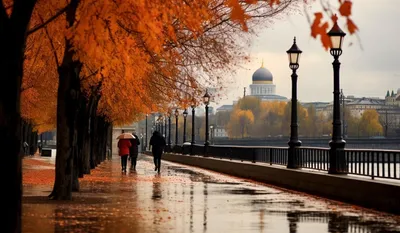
[161, 125]
[337, 144]
[294, 55]
[206, 101]
[193, 128]
[165, 120]
[145, 135]
[169, 131]
[185, 114]
[176, 126]
[158, 124]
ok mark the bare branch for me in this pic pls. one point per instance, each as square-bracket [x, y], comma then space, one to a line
[51, 42]
[38, 27]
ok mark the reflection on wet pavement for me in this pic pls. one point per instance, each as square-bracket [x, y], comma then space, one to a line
[188, 199]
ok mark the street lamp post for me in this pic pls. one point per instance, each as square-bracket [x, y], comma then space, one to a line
[176, 126]
[193, 128]
[206, 101]
[294, 142]
[166, 127]
[145, 134]
[158, 124]
[337, 144]
[185, 114]
[169, 131]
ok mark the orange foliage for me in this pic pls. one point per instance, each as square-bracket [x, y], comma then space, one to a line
[39, 85]
[144, 54]
[320, 27]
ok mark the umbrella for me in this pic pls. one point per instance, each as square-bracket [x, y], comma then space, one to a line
[126, 136]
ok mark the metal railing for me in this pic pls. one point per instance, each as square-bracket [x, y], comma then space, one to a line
[313, 158]
[364, 162]
[374, 163]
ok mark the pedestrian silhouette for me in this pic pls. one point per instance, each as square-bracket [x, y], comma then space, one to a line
[157, 142]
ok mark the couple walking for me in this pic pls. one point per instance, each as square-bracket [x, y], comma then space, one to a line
[129, 147]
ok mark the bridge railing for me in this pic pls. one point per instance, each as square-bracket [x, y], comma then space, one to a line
[313, 158]
[364, 162]
[374, 163]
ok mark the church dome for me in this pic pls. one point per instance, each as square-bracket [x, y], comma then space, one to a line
[262, 74]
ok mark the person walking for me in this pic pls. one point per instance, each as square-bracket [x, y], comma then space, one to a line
[157, 143]
[26, 148]
[124, 145]
[134, 150]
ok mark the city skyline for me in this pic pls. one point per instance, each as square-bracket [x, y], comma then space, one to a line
[369, 64]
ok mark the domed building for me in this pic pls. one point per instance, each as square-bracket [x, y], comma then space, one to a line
[263, 86]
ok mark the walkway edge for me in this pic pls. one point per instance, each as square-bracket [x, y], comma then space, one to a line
[366, 193]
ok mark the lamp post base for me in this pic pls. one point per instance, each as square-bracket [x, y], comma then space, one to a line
[191, 148]
[337, 158]
[293, 155]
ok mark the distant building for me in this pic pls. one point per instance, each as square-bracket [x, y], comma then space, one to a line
[225, 108]
[387, 108]
[219, 132]
[393, 99]
[358, 106]
[263, 87]
[319, 106]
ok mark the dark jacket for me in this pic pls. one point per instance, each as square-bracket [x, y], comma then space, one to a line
[133, 150]
[157, 142]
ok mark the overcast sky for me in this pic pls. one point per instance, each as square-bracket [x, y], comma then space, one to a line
[368, 71]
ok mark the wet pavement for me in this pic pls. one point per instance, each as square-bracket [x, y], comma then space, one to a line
[186, 199]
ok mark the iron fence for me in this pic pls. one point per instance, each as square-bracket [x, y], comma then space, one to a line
[374, 163]
[364, 162]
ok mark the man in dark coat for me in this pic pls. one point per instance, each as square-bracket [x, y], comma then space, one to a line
[157, 142]
[134, 150]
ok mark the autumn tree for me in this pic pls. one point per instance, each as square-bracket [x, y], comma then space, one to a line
[324, 124]
[93, 28]
[370, 124]
[310, 128]
[240, 123]
[14, 21]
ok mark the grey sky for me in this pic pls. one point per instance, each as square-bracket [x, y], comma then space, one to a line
[368, 72]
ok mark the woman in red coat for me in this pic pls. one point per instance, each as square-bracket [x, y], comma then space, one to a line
[123, 145]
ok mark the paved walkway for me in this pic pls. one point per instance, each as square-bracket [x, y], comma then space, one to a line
[183, 199]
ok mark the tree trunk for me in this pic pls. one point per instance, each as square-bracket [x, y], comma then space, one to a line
[83, 138]
[110, 140]
[99, 140]
[93, 142]
[103, 145]
[12, 40]
[67, 112]
[10, 143]
[89, 115]
[75, 169]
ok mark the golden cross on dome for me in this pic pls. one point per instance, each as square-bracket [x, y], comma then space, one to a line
[262, 63]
